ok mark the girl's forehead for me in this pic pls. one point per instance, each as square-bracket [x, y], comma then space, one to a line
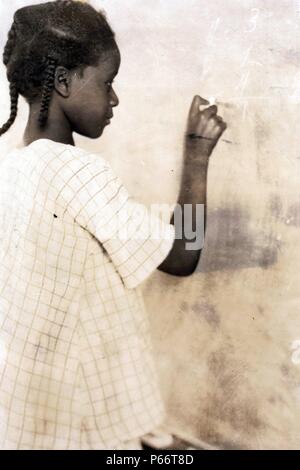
[110, 61]
[108, 66]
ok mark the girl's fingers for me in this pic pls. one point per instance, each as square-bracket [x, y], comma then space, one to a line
[220, 123]
[211, 127]
[220, 127]
[209, 112]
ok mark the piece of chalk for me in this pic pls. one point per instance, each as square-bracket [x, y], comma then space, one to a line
[212, 100]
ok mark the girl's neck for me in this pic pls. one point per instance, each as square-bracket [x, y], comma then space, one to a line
[57, 127]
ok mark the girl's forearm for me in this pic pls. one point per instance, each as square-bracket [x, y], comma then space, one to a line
[182, 261]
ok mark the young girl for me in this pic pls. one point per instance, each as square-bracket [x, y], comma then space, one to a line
[76, 366]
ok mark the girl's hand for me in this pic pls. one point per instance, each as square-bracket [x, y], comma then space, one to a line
[204, 127]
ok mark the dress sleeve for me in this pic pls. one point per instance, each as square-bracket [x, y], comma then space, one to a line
[136, 240]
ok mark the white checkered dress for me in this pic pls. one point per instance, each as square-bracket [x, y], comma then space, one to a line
[76, 366]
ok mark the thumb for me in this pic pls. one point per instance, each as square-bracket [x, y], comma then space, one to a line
[196, 103]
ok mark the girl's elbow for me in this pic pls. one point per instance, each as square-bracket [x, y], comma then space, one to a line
[180, 265]
[178, 271]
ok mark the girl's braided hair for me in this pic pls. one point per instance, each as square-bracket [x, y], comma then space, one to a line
[62, 32]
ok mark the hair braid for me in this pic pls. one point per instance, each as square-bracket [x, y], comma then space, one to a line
[47, 90]
[14, 97]
[13, 89]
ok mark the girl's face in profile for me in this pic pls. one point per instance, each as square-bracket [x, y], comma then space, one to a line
[91, 100]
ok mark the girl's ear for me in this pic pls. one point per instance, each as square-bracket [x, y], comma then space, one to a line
[62, 81]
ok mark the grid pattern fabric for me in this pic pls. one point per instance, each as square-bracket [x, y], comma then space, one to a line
[76, 363]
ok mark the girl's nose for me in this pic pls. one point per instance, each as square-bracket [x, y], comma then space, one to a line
[114, 101]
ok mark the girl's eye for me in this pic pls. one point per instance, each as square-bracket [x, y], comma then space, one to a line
[109, 84]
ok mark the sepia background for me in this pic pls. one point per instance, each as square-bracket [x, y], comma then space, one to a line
[226, 338]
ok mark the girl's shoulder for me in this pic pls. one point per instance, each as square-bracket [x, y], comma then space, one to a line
[45, 146]
[56, 153]
[56, 164]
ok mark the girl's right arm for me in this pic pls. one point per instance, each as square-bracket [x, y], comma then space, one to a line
[204, 129]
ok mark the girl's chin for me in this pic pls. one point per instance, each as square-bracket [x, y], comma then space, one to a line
[95, 133]
[99, 129]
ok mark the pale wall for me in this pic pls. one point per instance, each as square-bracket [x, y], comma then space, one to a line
[224, 335]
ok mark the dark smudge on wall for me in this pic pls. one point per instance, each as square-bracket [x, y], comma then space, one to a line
[232, 243]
